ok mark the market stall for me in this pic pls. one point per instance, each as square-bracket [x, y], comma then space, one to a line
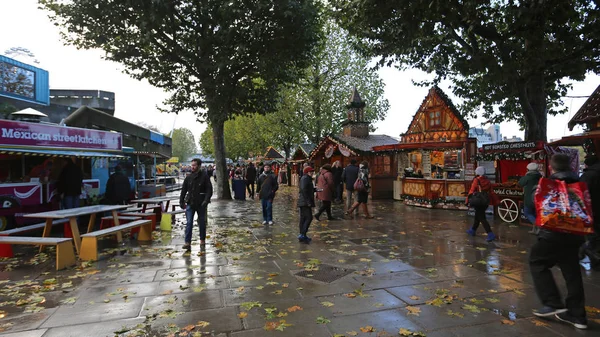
[434, 155]
[506, 163]
[32, 156]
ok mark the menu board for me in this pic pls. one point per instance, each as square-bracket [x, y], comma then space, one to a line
[451, 160]
[426, 159]
[470, 171]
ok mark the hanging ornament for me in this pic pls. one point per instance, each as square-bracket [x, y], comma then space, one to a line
[329, 151]
[344, 150]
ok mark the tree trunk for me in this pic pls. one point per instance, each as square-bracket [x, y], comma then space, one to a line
[223, 191]
[532, 97]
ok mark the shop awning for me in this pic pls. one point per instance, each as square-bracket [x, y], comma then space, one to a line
[59, 153]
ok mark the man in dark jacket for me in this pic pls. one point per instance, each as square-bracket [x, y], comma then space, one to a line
[528, 182]
[349, 176]
[118, 188]
[196, 192]
[591, 176]
[69, 184]
[337, 171]
[562, 249]
[306, 201]
[267, 186]
[250, 179]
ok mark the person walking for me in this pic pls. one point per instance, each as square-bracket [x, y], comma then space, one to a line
[562, 249]
[529, 181]
[250, 179]
[118, 188]
[336, 170]
[267, 186]
[591, 176]
[325, 191]
[349, 176]
[482, 184]
[362, 196]
[195, 195]
[69, 184]
[306, 201]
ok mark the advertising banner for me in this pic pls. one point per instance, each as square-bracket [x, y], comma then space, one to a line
[15, 133]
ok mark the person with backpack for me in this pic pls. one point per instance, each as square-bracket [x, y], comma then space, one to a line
[349, 176]
[529, 181]
[361, 186]
[562, 249]
[481, 195]
[325, 191]
[267, 186]
[591, 176]
[118, 188]
[306, 201]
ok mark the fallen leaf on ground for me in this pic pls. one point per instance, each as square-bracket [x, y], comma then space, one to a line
[350, 295]
[508, 322]
[537, 322]
[294, 308]
[243, 314]
[322, 320]
[414, 298]
[413, 310]
[327, 304]
[456, 314]
[202, 324]
[352, 333]
[367, 328]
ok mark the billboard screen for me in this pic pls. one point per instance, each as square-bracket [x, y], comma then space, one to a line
[24, 82]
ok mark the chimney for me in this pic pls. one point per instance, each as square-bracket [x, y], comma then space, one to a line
[355, 125]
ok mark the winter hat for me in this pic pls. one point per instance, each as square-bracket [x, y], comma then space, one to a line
[308, 169]
[480, 170]
[590, 160]
[532, 167]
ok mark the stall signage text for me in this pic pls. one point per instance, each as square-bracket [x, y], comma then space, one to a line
[507, 191]
[511, 146]
[13, 133]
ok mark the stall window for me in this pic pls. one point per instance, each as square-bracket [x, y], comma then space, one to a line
[383, 165]
[435, 118]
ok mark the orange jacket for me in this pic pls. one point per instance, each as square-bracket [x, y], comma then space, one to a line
[486, 186]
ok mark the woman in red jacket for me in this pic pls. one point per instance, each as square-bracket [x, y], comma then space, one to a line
[483, 184]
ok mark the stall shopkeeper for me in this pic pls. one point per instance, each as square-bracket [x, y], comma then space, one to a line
[69, 184]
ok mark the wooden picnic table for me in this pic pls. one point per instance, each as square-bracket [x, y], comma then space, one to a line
[156, 200]
[72, 215]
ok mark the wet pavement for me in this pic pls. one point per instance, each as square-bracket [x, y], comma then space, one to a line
[409, 272]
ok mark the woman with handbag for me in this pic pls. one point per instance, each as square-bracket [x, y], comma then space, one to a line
[361, 186]
[481, 195]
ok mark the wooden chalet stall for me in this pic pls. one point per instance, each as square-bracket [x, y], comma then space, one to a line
[355, 142]
[299, 157]
[589, 117]
[434, 155]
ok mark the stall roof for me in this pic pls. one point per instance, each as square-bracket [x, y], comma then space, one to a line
[366, 144]
[589, 111]
[416, 146]
[58, 153]
[577, 139]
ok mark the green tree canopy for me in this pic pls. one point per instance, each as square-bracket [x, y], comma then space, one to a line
[217, 59]
[183, 144]
[509, 58]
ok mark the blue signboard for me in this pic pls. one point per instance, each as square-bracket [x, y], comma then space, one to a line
[24, 82]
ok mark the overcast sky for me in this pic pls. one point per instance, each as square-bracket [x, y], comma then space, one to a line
[24, 25]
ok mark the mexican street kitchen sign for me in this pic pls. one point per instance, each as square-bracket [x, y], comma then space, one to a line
[22, 134]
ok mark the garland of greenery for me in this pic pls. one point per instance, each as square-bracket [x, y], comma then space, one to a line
[432, 202]
[502, 156]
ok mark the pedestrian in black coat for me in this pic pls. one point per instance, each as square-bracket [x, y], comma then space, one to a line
[118, 188]
[349, 176]
[591, 176]
[306, 201]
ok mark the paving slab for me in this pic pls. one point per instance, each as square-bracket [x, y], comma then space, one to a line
[94, 312]
[390, 321]
[361, 302]
[102, 329]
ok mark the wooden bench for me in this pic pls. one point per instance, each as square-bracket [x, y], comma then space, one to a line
[147, 216]
[65, 257]
[109, 221]
[6, 250]
[89, 241]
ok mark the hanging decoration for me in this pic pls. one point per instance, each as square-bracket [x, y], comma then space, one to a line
[329, 151]
[502, 156]
[344, 150]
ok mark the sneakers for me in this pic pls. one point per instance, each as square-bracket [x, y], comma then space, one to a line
[471, 232]
[490, 237]
[548, 311]
[264, 223]
[270, 223]
[304, 239]
[317, 215]
[579, 323]
[187, 247]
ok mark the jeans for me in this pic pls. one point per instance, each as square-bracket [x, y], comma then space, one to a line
[339, 188]
[325, 207]
[267, 209]
[305, 219]
[480, 218]
[250, 187]
[350, 197]
[544, 255]
[189, 214]
[70, 201]
[529, 213]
